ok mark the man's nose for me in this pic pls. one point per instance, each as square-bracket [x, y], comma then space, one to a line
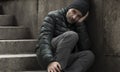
[74, 16]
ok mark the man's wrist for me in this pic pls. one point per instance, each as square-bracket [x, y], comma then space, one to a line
[79, 23]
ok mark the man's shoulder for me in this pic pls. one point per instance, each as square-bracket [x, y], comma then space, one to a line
[57, 12]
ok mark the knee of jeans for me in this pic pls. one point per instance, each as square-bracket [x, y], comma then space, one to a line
[72, 35]
[90, 54]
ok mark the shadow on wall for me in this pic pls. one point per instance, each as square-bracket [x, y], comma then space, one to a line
[1, 10]
[25, 12]
[5, 0]
[95, 30]
[2, 2]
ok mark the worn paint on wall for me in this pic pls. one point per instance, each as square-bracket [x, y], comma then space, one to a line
[25, 12]
[30, 13]
[112, 27]
[112, 35]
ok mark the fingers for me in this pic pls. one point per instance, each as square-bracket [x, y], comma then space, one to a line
[57, 69]
[86, 14]
[51, 70]
[54, 69]
[59, 66]
[83, 18]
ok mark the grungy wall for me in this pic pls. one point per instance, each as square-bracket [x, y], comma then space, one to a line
[30, 13]
[96, 32]
[104, 29]
[111, 27]
[111, 21]
[25, 12]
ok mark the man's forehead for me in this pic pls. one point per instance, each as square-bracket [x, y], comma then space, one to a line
[78, 11]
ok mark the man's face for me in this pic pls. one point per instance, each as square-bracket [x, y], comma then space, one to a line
[73, 15]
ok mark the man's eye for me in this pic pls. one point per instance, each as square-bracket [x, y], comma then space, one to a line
[74, 11]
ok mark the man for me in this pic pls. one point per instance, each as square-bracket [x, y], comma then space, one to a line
[63, 44]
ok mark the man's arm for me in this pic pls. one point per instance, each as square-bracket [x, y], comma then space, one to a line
[43, 47]
[84, 41]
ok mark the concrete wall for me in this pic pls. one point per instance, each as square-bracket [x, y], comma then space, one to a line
[25, 12]
[96, 32]
[30, 13]
[112, 35]
[104, 29]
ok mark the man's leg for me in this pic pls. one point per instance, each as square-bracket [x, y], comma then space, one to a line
[80, 62]
[64, 44]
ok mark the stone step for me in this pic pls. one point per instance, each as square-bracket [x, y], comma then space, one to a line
[18, 62]
[17, 46]
[26, 71]
[112, 63]
[32, 71]
[6, 20]
[14, 32]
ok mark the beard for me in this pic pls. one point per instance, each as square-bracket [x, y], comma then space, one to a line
[71, 21]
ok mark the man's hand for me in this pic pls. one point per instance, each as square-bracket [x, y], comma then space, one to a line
[83, 18]
[54, 67]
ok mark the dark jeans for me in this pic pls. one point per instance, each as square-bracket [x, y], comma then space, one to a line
[71, 62]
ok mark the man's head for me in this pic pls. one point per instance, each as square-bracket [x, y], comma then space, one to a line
[76, 10]
[73, 15]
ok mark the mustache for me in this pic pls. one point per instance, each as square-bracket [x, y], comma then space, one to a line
[74, 20]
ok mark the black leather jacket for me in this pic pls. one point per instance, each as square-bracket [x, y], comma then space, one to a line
[54, 24]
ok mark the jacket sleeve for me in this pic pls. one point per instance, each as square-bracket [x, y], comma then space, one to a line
[43, 47]
[84, 41]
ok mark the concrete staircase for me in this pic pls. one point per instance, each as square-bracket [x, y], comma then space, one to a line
[16, 47]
